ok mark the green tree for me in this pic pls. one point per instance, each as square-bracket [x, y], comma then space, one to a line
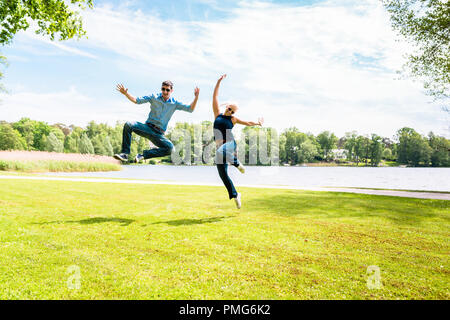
[26, 128]
[85, 145]
[273, 145]
[327, 142]
[64, 129]
[53, 144]
[362, 149]
[307, 151]
[252, 144]
[387, 154]
[133, 149]
[116, 137]
[40, 132]
[440, 154]
[97, 143]
[376, 150]
[291, 145]
[425, 24]
[59, 134]
[70, 144]
[208, 145]
[412, 148]
[350, 143]
[54, 18]
[108, 146]
[35, 133]
[282, 143]
[10, 139]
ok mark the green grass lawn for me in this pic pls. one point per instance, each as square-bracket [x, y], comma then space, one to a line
[178, 242]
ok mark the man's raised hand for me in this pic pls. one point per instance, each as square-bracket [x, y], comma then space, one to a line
[122, 89]
[196, 91]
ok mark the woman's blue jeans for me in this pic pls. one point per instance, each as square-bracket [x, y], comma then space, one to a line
[225, 154]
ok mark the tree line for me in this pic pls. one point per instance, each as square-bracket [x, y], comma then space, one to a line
[291, 147]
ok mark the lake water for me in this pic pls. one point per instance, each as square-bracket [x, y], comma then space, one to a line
[433, 179]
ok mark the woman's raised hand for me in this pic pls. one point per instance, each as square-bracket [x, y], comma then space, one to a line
[222, 77]
[260, 121]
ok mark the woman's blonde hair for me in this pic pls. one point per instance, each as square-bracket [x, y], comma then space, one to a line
[226, 104]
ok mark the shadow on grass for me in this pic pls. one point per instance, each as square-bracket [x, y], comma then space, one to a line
[343, 205]
[124, 222]
[185, 222]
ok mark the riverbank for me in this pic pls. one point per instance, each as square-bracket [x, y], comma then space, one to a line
[380, 192]
[432, 179]
[382, 164]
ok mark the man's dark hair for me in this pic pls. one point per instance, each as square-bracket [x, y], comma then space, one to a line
[168, 83]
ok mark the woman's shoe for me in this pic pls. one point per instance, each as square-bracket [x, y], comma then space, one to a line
[237, 200]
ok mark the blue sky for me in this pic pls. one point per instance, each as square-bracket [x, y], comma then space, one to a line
[316, 65]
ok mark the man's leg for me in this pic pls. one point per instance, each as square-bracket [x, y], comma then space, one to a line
[163, 146]
[129, 127]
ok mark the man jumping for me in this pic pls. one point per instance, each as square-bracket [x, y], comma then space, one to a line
[162, 109]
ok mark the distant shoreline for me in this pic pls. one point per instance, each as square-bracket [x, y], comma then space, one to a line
[312, 164]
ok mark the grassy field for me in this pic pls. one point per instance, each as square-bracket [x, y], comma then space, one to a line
[86, 240]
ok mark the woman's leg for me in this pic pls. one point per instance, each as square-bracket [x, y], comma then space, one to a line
[229, 153]
[223, 173]
[223, 154]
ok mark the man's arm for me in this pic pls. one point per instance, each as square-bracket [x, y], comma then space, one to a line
[124, 91]
[194, 103]
[188, 107]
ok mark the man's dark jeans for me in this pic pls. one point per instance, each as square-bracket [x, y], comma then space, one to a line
[164, 146]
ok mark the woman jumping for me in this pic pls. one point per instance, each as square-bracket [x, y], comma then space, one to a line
[225, 143]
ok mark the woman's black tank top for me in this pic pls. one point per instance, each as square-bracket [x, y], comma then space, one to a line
[222, 128]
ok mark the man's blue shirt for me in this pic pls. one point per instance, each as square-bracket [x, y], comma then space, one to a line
[161, 111]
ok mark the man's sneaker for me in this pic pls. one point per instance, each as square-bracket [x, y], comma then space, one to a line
[238, 201]
[241, 168]
[139, 158]
[121, 156]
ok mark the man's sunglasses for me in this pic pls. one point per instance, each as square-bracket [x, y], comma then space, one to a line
[165, 89]
[231, 110]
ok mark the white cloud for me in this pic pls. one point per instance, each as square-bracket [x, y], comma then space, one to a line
[71, 50]
[27, 41]
[320, 67]
[69, 107]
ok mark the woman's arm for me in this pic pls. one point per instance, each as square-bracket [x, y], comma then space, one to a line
[249, 123]
[124, 91]
[215, 97]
